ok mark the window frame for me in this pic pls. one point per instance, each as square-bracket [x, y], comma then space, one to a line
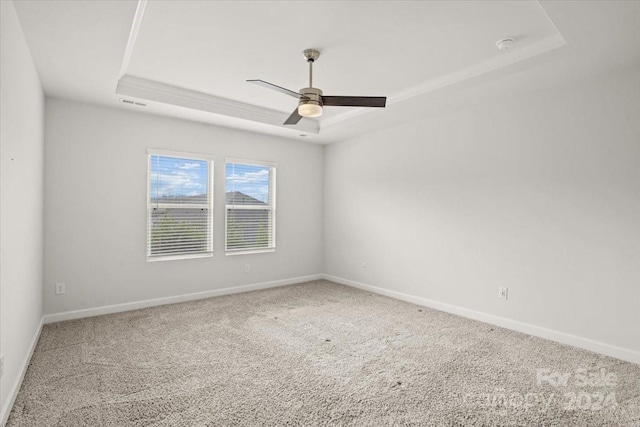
[209, 205]
[271, 207]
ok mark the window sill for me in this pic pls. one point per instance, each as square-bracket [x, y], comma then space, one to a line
[176, 257]
[249, 251]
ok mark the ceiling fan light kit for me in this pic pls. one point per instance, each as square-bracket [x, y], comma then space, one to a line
[310, 109]
[311, 100]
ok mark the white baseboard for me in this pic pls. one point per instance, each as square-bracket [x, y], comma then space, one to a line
[117, 308]
[538, 331]
[15, 388]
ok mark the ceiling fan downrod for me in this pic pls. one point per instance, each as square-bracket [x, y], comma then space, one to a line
[312, 55]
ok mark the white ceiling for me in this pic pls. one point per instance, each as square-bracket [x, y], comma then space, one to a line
[190, 59]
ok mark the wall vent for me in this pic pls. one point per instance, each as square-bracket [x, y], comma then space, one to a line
[128, 101]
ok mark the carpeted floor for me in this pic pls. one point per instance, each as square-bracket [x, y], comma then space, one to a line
[314, 354]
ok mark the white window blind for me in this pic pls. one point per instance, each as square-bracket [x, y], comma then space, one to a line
[250, 206]
[179, 206]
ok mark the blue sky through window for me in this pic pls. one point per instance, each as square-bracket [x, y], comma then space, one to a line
[173, 177]
[248, 179]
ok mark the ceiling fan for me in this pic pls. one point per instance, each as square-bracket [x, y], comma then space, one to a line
[311, 100]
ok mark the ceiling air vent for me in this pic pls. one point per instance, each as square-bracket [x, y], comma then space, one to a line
[128, 101]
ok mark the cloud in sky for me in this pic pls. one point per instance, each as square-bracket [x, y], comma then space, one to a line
[260, 176]
[177, 177]
[189, 166]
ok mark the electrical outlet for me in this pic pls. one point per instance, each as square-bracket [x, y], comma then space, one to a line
[364, 266]
[503, 293]
[1, 364]
[61, 288]
[247, 268]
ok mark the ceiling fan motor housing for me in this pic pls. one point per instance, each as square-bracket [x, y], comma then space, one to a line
[310, 95]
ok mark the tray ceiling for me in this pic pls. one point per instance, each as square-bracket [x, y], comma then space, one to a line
[190, 59]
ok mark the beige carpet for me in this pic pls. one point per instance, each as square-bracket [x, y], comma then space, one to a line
[314, 354]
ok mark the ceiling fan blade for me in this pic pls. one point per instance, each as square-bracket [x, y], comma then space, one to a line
[275, 87]
[355, 101]
[294, 118]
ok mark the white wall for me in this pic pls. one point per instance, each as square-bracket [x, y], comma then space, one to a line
[21, 205]
[95, 203]
[538, 193]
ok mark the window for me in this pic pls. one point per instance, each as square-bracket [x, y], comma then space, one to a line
[250, 206]
[179, 206]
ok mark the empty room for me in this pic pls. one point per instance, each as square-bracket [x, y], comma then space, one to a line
[319, 213]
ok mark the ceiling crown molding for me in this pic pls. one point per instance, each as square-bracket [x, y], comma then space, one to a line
[174, 95]
[498, 62]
